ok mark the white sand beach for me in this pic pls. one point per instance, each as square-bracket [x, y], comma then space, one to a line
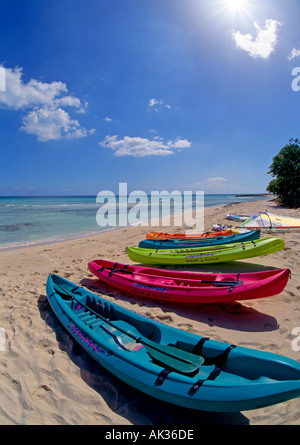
[47, 379]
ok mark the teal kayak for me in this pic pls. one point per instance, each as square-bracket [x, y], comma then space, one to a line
[170, 364]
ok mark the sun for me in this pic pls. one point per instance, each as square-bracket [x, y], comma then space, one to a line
[233, 10]
[235, 5]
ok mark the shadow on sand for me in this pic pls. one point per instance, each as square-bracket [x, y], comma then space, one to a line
[234, 315]
[136, 407]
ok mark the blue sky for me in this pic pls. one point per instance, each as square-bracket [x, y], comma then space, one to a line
[161, 94]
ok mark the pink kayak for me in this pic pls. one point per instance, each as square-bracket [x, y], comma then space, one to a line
[189, 287]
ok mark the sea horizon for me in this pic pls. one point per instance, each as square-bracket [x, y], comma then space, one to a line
[33, 220]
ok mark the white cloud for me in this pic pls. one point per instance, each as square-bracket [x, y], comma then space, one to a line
[141, 147]
[20, 95]
[156, 104]
[179, 143]
[211, 181]
[52, 124]
[43, 104]
[293, 54]
[153, 102]
[213, 185]
[263, 44]
[217, 184]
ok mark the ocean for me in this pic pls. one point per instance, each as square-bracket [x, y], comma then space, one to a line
[26, 221]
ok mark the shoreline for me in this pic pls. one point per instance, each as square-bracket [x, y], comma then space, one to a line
[46, 379]
[44, 242]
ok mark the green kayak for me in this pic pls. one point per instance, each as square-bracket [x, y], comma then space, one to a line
[205, 255]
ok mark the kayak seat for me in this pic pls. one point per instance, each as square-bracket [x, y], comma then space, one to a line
[125, 327]
[227, 278]
[156, 281]
[119, 338]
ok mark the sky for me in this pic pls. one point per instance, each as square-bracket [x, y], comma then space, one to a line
[160, 94]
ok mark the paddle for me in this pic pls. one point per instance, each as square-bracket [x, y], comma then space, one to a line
[174, 358]
[203, 249]
[194, 241]
[215, 283]
[223, 283]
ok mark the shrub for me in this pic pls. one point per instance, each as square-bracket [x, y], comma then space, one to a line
[286, 170]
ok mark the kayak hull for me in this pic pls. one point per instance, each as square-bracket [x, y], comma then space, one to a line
[182, 244]
[168, 235]
[231, 379]
[188, 287]
[238, 217]
[209, 255]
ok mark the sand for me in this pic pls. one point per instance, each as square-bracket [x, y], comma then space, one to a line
[47, 379]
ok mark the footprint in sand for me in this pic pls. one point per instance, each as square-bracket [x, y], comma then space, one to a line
[283, 331]
[165, 317]
[185, 326]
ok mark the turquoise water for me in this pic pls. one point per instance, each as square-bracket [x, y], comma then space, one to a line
[30, 220]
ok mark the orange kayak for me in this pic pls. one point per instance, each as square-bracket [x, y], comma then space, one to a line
[163, 235]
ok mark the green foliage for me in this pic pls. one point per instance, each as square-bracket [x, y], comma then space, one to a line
[286, 170]
[272, 187]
